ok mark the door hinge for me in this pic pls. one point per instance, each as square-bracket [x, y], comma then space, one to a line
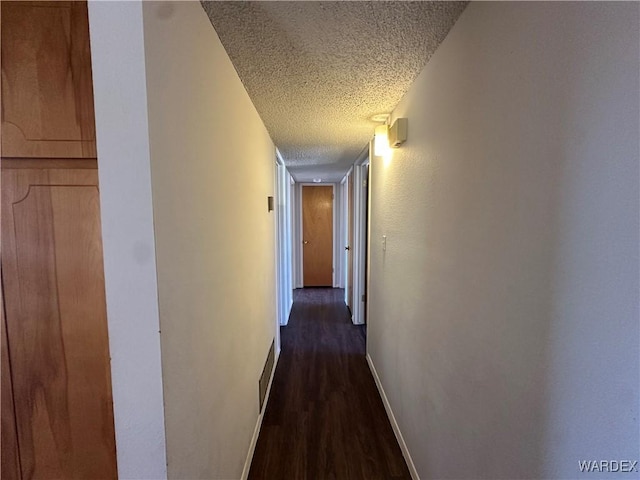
[364, 297]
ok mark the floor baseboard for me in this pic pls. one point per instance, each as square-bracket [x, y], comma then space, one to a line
[394, 423]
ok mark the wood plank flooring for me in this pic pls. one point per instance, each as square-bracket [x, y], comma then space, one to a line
[325, 418]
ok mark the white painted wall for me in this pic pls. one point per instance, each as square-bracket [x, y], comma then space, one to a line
[504, 313]
[120, 98]
[212, 166]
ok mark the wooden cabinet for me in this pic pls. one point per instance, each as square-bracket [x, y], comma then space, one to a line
[57, 412]
[47, 96]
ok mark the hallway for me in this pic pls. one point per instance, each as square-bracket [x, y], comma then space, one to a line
[499, 270]
[325, 418]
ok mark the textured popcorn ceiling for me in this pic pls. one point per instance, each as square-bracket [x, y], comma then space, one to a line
[317, 71]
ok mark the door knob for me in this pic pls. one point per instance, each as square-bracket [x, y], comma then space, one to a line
[347, 248]
[305, 242]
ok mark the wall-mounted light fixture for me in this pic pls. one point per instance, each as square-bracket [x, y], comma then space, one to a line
[398, 132]
[381, 141]
[387, 137]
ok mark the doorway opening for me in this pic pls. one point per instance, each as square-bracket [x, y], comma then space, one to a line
[355, 191]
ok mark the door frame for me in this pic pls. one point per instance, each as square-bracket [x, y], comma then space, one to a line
[284, 274]
[361, 240]
[298, 253]
[345, 221]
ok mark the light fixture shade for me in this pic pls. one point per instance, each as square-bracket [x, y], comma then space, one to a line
[381, 141]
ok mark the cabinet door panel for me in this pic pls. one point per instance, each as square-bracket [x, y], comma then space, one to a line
[47, 91]
[56, 323]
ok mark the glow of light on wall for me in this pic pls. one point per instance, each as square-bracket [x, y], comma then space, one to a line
[381, 142]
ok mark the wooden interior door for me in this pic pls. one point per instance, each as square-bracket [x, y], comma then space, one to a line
[350, 243]
[317, 235]
[56, 323]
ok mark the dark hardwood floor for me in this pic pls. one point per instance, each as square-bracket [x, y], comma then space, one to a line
[325, 418]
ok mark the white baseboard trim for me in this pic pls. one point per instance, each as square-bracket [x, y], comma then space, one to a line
[394, 423]
[256, 431]
[289, 307]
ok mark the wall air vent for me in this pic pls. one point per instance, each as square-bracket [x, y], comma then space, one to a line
[263, 383]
